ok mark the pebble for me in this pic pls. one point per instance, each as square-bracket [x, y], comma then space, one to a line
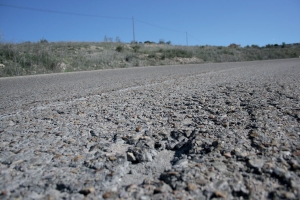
[130, 157]
[256, 163]
[87, 191]
[192, 186]
[181, 163]
[109, 195]
[220, 194]
[227, 155]
[138, 129]
[220, 166]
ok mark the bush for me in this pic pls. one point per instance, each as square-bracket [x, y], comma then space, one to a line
[136, 48]
[268, 46]
[254, 46]
[43, 41]
[128, 58]
[172, 53]
[120, 48]
[161, 41]
[152, 55]
[149, 42]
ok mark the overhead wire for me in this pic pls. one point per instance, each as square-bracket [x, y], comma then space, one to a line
[62, 12]
[160, 26]
[90, 15]
[193, 37]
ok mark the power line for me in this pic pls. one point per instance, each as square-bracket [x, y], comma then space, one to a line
[187, 41]
[160, 26]
[187, 34]
[133, 29]
[61, 12]
[193, 37]
[99, 16]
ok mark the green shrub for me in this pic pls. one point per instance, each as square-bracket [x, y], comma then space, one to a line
[120, 48]
[172, 53]
[161, 41]
[129, 58]
[152, 55]
[149, 42]
[254, 46]
[43, 41]
[136, 48]
[268, 46]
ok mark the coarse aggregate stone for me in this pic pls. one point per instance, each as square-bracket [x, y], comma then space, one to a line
[230, 134]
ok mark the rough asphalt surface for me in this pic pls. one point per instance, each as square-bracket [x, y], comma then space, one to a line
[209, 131]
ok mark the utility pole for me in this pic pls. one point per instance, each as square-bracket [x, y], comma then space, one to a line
[187, 42]
[133, 29]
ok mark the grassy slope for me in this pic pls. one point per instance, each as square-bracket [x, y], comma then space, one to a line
[43, 57]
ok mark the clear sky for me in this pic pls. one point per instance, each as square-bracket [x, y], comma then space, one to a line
[207, 22]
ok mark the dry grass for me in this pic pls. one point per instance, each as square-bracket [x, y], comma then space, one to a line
[43, 57]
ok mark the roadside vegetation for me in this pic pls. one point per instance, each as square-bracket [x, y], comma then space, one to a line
[44, 57]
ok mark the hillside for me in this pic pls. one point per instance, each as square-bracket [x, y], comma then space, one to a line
[43, 57]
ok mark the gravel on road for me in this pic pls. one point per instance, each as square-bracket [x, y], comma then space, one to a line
[210, 131]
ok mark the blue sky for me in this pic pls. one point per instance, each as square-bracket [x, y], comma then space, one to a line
[207, 22]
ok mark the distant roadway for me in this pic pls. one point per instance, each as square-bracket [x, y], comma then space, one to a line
[17, 92]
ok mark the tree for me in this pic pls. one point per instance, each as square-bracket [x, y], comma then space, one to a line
[105, 38]
[43, 41]
[118, 40]
[161, 41]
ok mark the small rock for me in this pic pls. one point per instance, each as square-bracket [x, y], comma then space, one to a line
[112, 158]
[130, 157]
[11, 123]
[144, 154]
[162, 189]
[220, 194]
[211, 117]
[220, 166]
[296, 153]
[221, 185]
[131, 188]
[289, 195]
[203, 130]
[227, 155]
[77, 158]
[281, 173]
[87, 191]
[138, 129]
[108, 195]
[295, 185]
[182, 163]
[226, 124]
[173, 173]
[256, 163]
[192, 186]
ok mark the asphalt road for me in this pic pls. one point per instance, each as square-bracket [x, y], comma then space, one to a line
[189, 131]
[19, 91]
